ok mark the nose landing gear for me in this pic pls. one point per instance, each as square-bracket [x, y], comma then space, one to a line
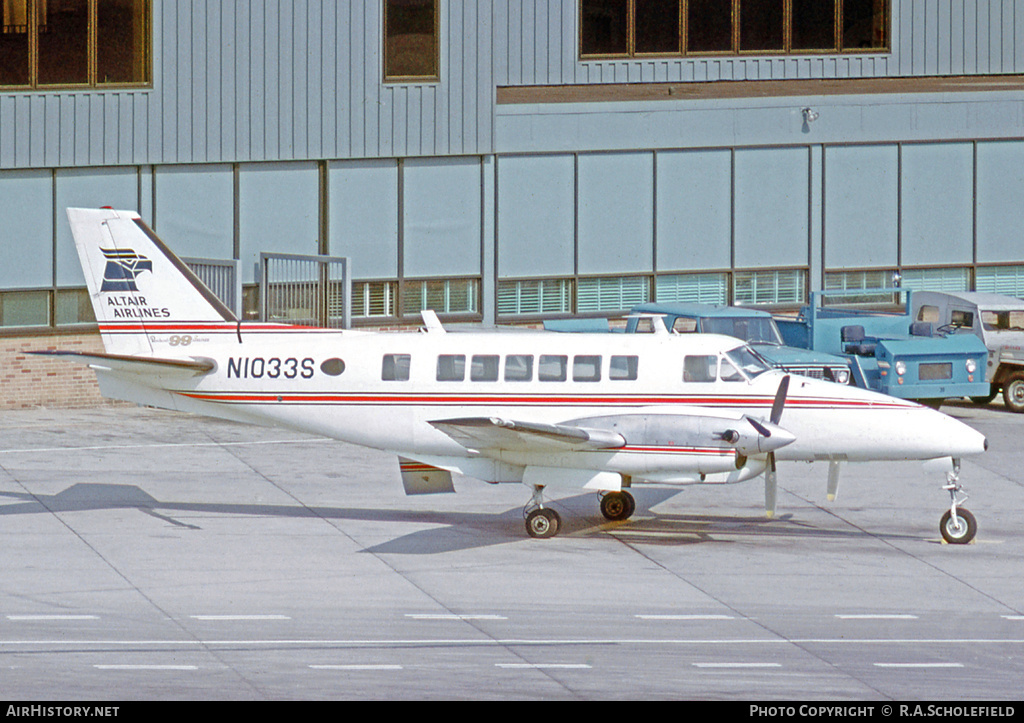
[957, 526]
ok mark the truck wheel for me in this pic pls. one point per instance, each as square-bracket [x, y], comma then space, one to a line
[993, 390]
[1013, 392]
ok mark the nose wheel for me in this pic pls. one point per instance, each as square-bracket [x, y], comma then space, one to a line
[957, 526]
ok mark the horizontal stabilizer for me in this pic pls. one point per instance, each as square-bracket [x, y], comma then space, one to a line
[484, 433]
[147, 366]
[424, 479]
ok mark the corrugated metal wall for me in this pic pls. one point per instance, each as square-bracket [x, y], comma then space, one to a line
[536, 43]
[254, 80]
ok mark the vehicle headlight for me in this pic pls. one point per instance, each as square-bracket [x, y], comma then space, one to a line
[843, 376]
[901, 367]
[971, 366]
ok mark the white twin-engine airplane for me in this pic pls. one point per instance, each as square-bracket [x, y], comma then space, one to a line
[598, 411]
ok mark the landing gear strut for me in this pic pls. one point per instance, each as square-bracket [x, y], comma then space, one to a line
[617, 505]
[958, 526]
[541, 522]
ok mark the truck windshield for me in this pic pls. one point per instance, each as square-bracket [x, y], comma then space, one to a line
[751, 329]
[748, 361]
[1003, 320]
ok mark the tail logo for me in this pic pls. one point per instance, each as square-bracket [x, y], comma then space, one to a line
[122, 268]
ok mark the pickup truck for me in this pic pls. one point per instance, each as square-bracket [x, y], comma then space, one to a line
[998, 321]
[754, 326]
[890, 351]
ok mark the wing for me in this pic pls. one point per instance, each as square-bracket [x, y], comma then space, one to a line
[146, 366]
[491, 433]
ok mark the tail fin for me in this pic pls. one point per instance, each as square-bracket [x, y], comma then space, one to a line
[138, 287]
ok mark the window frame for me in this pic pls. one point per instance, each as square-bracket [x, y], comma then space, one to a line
[92, 53]
[410, 79]
[736, 48]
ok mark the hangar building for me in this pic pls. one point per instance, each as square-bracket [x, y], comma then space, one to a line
[504, 160]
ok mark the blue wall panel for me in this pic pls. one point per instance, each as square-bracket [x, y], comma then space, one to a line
[195, 209]
[536, 228]
[442, 217]
[616, 213]
[861, 206]
[1000, 201]
[771, 197]
[26, 251]
[364, 216]
[937, 192]
[694, 207]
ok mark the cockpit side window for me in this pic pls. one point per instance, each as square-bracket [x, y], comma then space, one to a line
[729, 373]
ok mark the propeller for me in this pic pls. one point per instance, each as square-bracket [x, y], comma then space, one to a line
[771, 479]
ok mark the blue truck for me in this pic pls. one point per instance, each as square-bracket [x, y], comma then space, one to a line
[890, 351]
[754, 326]
[881, 350]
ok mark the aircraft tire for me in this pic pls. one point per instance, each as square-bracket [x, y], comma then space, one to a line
[543, 523]
[958, 534]
[617, 506]
[1013, 392]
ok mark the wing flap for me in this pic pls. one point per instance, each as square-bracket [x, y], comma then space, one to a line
[489, 433]
[145, 366]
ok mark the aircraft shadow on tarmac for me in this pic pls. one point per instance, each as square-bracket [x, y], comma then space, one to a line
[456, 530]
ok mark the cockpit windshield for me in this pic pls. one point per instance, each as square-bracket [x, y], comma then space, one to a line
[748, 361]
[1003, 320]
[751, 329]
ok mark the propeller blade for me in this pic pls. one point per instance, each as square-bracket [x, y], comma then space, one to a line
[780, 400]
[771, 484]
[761, 429]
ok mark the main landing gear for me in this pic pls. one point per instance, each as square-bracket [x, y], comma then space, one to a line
[543, 522]
[958, 526]
[617, 506]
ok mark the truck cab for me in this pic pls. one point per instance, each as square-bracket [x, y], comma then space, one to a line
[997, 320]
[888, 350]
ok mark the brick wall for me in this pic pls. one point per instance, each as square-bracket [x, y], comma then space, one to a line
[30, 381]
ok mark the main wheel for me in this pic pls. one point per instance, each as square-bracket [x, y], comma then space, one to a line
[543, 523]
[959, 530]
[618, 505]
[1013, 392]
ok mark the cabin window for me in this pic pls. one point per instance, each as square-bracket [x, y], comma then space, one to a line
[332, 367]
[625, 28]
[451, 367]
[623, 368]
[62, 43]
[411, 40]
[928, 313]
[552, 368]
[395, 368]
[702, 368]
[484, 368]
[518, 367]
[586, 368]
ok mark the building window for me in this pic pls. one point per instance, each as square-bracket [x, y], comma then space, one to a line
[951, 278]
[445, 296]
[69, 43]
[540, 296]
[1006, 280]
[783, 286]
[411, 31]
[617, 28]
[611, 293]
[708, 288]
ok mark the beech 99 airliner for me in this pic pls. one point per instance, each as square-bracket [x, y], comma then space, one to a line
[600, 412]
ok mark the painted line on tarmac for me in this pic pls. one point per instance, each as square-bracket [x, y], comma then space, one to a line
[144, 667]
[543, 666]
[685, 617]
[918, 665]
[357, 666]
[239, 617]
[736, 665]
[877, 616]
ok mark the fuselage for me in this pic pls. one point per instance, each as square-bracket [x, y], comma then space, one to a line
[382, 390]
